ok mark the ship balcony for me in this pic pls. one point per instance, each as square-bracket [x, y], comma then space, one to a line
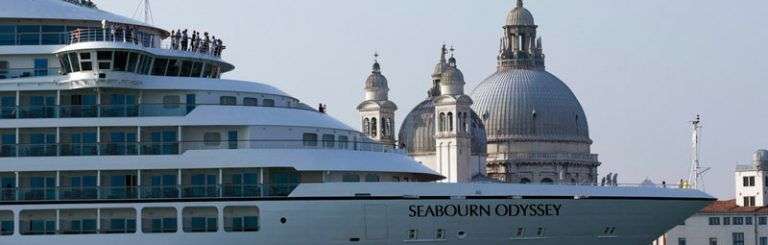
[167, 184]
[14, 73]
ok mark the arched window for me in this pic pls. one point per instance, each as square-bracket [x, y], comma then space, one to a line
[464, 123]
[374, 127]
[547, 181]
[450, 121]
[441, 123]
[525, 181]
[366, 126]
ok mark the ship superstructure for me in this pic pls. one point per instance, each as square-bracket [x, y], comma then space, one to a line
[111, 134]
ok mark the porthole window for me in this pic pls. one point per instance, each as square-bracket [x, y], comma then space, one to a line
[461, 234]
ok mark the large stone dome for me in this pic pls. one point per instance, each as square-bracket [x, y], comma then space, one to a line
[529, 105]
[417, 133]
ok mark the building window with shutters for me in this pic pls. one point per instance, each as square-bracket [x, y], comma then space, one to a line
[681, 241]
[712, 241]
[738, 238]
[714, 220]
[763, 240]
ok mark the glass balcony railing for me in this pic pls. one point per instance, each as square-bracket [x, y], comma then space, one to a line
[177, 147]
[145, 192]
[90, 111]
[27, 72]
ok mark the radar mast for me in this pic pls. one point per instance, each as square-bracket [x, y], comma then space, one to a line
[696, 178]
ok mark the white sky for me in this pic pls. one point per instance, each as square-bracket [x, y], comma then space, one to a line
[641, 69]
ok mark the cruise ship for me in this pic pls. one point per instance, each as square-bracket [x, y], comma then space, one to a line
[111, 133]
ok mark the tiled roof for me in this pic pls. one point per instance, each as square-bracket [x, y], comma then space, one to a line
[730, 206]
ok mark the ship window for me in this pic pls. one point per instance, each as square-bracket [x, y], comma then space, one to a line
[186, 68]
[159, 67]
[7, 35]
[413, 234]
[372, 178]
[171, 101]
[350, 178]
[28, 35]
[310, 139]
[133, 60]
[268, 103]
[159, 220]
[250, 101]
[200, 219]
[78, 221]
[118, 220]
[64, 62]
[37, 222]
[520, 232]
[6, 223]
[212, 138]
[121, 59]
[547, 181]
[197, 69]
[440, 234]
[3, 69]
[241, 219]
[215, 72]
[228, 100]
[208, 70]
[74, 62]
[173, 68]
[343, 142]
[540, 232]
[104, 59]
[329, 141]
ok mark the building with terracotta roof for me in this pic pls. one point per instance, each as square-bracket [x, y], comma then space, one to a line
[739, 221]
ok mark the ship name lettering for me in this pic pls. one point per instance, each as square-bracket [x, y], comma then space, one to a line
[477, 210]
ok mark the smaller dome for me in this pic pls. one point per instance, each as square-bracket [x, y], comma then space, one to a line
[376, 81]
[519, 16]
[452, 75]
[761, 158]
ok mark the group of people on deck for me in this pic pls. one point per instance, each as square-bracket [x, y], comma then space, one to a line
[202, 43]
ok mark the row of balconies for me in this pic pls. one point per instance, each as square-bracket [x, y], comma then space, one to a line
[143, 184]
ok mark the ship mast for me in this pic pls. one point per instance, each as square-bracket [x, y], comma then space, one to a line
[696, 178]
[147, 10]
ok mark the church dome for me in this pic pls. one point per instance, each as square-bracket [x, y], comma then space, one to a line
[417, 133]
[519, 16]
[376, 80]
[529, 105]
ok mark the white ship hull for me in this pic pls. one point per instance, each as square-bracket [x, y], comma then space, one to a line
[487, 220]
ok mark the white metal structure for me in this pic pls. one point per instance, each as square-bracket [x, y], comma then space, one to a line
[696, 178]
[109, 137]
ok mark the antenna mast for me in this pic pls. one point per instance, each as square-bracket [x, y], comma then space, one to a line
[147, 11]
[696, 178]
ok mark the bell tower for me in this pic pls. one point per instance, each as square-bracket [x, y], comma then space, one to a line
[377, 112]
[452, 130]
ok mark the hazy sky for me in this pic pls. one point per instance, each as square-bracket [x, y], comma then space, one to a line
[641, 69]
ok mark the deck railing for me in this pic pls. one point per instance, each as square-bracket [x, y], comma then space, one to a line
[177, 147]
[134, 37]
[229, 191]
[90, 111]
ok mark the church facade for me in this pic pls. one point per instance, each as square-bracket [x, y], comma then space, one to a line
[522, 124]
